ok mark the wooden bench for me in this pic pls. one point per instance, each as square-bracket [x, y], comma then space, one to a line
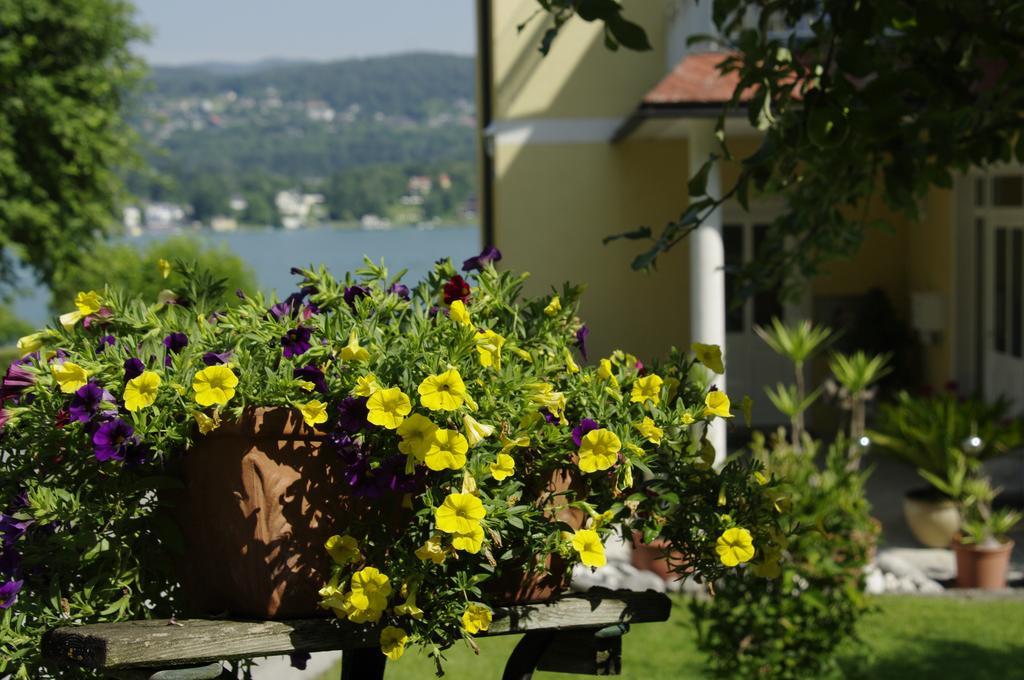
[579, 633]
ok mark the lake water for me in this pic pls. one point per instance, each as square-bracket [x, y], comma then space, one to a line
[271, 253]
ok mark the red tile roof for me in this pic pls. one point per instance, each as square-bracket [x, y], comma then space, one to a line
[695, 80]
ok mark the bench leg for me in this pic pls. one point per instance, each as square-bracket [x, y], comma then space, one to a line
[363, 664]
[527, 654]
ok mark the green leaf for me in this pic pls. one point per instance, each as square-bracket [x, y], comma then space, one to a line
[628, 34]
[638, 233]
[698, 184]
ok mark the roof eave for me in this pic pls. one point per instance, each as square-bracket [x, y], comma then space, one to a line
[653, 110]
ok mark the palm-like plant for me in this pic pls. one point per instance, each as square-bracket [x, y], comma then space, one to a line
[857, 374]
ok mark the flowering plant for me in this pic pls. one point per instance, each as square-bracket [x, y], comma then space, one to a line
[452, 406]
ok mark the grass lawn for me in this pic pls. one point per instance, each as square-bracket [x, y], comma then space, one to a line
[908, 638]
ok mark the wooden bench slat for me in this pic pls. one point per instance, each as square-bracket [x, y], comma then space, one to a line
[112, 646]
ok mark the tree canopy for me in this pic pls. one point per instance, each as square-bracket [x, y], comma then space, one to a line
[871, 102]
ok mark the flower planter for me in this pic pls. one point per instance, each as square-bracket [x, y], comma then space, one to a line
[933, 518]
[982, 567]
[655, 557]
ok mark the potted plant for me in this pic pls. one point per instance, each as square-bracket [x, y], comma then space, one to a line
[929, 432]
[402, 459]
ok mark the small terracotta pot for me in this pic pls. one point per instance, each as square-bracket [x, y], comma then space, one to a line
[934, 519]
[982, 567]
[655, 556]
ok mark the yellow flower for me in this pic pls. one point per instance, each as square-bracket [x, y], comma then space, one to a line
[409, 608]
[671, 388]
[164, 267]
[306, 385]
[366, 385]
[431, 550]
[647, 388]
[687, 419]
[504, 466]
[214, 385]
[70, 376]
[69, 319]
[710, 356]
[393, 641]
[314, 412]
[717, 404]
[735, 546]
[206, 423]
[476, 431]
[447, 450]
[88, 303]
[31, 343]
[140, 391]
[388, 407]
[509, 444]
[476, 618]
[488, 346]
[470, 541]
[650, 431]
[570, 365]
[370, 589]
[459, 313]
[599, 450]
[353, 351]
[554, 307]
[417, 433]
[588, 544]
[343, 549]
[444, 391]
[604, 372]
[459, 513]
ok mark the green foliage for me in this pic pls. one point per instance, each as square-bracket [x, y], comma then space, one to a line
[797, 342]
[123, 267]
[857, 372]
[618, 31]
[788, 402]
[928, 431]
[66, 70]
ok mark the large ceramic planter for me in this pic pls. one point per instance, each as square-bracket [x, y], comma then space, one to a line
[934, 519]
[655, 557]
[982, 567]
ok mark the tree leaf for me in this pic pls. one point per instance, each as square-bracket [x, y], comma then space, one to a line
[636, 234]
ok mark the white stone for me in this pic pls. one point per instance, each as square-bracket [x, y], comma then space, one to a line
[618, 549]
[874, 581]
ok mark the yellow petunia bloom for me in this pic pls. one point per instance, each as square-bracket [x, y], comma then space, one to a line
[207, 424]
[305, 385]
[650, 430]
[447, 450]
[459, 314]
[70, 376]
[570, 365]
[164, 267]
[417, 433]
[476, 618]
[735, 546]
[388, 407]
[647, 388]
[687, 419]
[372, 584]
[471, 541]
[214, 385]
[409, 608]
[313, 412]
[599, 450]
[366, 385]
[459, 513]
[353, 351]
[488, 346]
[509, 444]
[343, 549]
[141, 390]
[88, 303]
[31, 343]
[504, 466]
[444, 391]
[476, 431]
[604, 372]
[710, 356]
[432, 550]
[393, 641]
[717, 404]
[554, 307]
[588, 544]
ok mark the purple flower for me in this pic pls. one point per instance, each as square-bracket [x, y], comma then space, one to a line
[9, 593]
[15, 381]
[105, 341]
[216, 358]
[296, 341]
[295, 271]
[86, 401]
[133, 368]
[309, 310]
[389, 477]
[581, 341]
[399, 289]
[11, 528]
[548, 416]
[175, 342]
[353, 293]
[585, 426]
[113, 440]
[239, 294]
[352, 413]
[313, 375]
[456, 289]
[488, 255]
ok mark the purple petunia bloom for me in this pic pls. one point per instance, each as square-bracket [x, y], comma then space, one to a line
[239, 293]
[581, 341]
[548, 416]
[399, 289]
[216, 358]
[11, 529]
[296, 341]
[113, 440]
[133, 368]
[15, 381]
[353, 293]
[9, 593]
[367, 481]
[309, 310]
[86, 401]
[105, 342]
[456, 289]
[175, 342]
[352, 413]
[580, 431]
[313, 375]
[488, 255]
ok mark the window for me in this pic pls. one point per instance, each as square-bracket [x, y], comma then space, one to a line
[1016, 258]
[1008, 191]
[999, 298]
[732, 237]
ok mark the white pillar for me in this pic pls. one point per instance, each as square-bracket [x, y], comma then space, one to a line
[707, 273]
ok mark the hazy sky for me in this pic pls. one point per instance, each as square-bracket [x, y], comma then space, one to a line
[248, 30]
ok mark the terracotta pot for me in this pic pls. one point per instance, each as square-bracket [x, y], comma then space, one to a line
[982, 567]
[652, 557]
[934, 519]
